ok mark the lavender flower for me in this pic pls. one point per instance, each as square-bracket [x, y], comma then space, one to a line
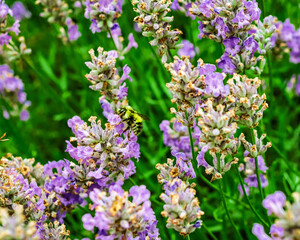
[180, 204]
[58, 11]
[257, 148]
[104, 157]
[12, 93]
[187, 50]
[249, 169]
[117, 217]
[286, 39]
[16, 226]
[263, 33]
[54, 230]
[249, 105]
[239, 56]
[103, 13]
[153, 20]
[187, 84]
[182, 6]
[105, 79]
[6, 27]
[181, 207]
[287, 221]
[221, 20]
[73, 32]
[176, 136]
[12, 52]
[20, 11]
[26, 185]
[118, 40]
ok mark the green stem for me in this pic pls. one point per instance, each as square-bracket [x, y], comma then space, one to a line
[132, 181]
[209, 232]
[188, 237]
[170, 54]
[194, 161]
[248, 200]
[262, 195]
[226, 209]
[261, 191]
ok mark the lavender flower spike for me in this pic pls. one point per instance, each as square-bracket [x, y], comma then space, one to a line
[153, 20]
[287, 220]
[118, 217]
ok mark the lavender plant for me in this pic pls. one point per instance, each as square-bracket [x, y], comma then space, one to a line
[58, 11]
[13, 95]
[217, 124]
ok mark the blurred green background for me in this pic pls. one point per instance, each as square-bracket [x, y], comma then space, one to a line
[58, 90]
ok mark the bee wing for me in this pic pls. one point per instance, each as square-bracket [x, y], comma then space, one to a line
[144, 117]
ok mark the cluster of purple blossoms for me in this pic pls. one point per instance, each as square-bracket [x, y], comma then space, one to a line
[105, 79]
[263, 33]
[188, 49]
[12, 93]
[58, 11]
[181, 206]
[118, 40]
[103, 13]
[217, 136]
[153, 20]
[122, 215]
[106, 149]
[182, 6]
[294, 84]
[16, 226]
[287, 222]
[220, 20]
[249, 170]
[187, 85]
[20, 11]
[103, 158]
[248, 104]
[25, 184]
[176, 136]
[239, 55]
[287, 39]
[7, 28]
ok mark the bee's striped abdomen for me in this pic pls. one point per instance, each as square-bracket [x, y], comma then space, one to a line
[137, 128]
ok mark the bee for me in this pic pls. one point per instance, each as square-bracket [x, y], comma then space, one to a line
[132, 118]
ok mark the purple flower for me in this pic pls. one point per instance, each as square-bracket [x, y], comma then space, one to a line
[253, 10]
[241, 19]
[232, 45]
[215, 85]
[187, 50]
[19, 11]
[298, 86]
[73, 32]
[251, 45]
[201, 28]
[226, 64]
[276, 231]
[117, 216]
[4, 38]
[259, 232]
[12, 92]
[274, 203]
[221, 27]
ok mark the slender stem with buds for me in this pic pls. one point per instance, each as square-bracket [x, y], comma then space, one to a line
[262, 195]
